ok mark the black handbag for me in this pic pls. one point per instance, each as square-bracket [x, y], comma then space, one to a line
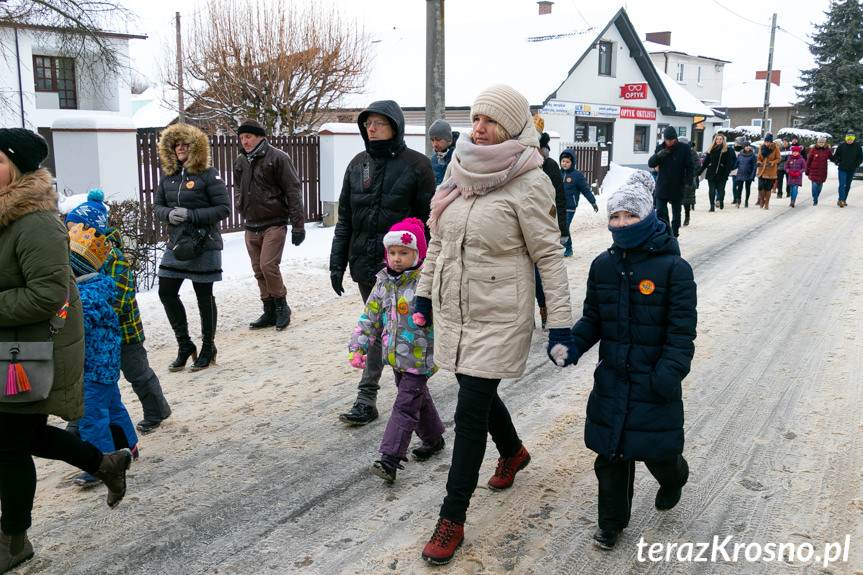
[29, 365]
[189, 241]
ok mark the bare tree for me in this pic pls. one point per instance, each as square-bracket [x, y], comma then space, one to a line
[284, 65]
[79, 29]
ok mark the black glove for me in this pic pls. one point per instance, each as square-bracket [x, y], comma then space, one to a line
[561, 347]
[192, 216]
[336, 279]
[662, 154]
[423, 309]
[297, 236]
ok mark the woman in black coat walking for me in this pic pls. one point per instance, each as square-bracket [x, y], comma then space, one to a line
[192, 191]
[718, 165]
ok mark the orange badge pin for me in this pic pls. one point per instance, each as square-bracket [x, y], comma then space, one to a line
[403, 308]
[190, 184]
[646, 287]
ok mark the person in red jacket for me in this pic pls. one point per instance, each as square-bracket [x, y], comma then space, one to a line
[816, 166]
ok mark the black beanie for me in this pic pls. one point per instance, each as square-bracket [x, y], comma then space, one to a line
[24, 148]
[669, 133]
[250, 126]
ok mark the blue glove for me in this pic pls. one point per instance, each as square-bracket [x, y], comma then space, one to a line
[422, 311]
[561, 347]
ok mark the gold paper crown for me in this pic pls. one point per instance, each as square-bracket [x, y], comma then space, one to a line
[87, 243]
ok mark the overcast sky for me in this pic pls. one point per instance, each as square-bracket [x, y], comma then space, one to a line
[733, 30]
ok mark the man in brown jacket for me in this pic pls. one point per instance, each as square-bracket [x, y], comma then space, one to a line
[269, 195]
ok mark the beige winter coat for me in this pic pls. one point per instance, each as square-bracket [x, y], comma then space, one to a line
[479, 276]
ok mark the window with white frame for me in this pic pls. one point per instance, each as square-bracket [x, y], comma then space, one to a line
[796, 122]
[641, 139]
[681, 72]
[605, 56]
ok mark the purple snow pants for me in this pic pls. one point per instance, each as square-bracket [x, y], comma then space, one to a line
[413, 410]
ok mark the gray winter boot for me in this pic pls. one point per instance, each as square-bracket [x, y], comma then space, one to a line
[14, 550]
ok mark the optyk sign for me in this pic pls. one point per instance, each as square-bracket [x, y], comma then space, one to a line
[634, 91]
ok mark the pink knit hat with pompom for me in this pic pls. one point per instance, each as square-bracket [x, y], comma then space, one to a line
[410, 232]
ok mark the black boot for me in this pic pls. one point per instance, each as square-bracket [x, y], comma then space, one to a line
[112, 472]
[208, 334]
[268, 319]
[283, 314]
[177, 318]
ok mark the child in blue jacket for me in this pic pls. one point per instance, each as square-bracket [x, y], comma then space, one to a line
[641, 309]
[106, 423]
[407, 347]
[574, 185]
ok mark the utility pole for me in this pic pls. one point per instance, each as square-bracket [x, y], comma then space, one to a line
[769, 77]
[180, 103]
[435, 65]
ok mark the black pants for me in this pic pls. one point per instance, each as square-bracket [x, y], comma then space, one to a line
[170, 288]
[26, 435]
[780, 175]
[738, 190]
[716, 192]
[616, 480]
[662, 214]
[478, 413]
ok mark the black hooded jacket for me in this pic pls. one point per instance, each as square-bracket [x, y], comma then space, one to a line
[382, 186]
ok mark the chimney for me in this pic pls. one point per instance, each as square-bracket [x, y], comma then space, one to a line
[774, 77]
[663, 38]
[545, 7]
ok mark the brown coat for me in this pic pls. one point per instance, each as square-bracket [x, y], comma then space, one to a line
[479, 275]
[34, 278]
[767, 166]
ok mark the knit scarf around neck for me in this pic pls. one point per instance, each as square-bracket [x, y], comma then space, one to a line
[478, 170]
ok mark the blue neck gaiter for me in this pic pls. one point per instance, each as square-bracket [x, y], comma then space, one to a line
[633, 236]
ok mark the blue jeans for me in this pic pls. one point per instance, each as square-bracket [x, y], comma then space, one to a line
[794, 193]
[845, 179]
[816, 190]
[567, 247]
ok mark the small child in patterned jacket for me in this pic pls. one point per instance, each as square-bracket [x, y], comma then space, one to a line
[407, 346]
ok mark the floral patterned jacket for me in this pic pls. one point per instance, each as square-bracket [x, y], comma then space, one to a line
[407, 347]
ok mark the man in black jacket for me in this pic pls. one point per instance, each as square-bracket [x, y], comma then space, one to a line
[269, 194]
[676, 170]
[848, 156]
[383, 185]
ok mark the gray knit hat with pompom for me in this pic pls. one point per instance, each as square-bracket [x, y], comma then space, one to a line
[634, 196]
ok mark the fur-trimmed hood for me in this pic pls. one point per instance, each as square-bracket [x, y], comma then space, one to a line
[199, 149]
[30, 193]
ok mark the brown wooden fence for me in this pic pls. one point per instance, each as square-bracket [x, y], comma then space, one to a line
[303, 150]
[589, 161]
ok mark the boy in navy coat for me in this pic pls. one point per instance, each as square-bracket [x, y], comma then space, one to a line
[641, 308]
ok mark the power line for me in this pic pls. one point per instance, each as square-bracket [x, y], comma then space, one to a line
[739, 16]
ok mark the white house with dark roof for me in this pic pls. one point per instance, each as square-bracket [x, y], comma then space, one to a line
[587, 73]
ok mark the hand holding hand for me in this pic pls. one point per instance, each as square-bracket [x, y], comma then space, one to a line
[561, 347]
[422, 311]
[178, 216]
[336, 281]
[297, 236]
[357, 360]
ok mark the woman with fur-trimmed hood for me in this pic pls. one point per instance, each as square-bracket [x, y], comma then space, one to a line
[190, 192]
[36, 287]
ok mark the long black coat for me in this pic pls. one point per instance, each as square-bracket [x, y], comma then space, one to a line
[381, 187]
[641, 308]
[676, 170]
[718, 164]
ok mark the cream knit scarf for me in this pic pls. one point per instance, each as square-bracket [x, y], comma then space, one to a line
[477, 170]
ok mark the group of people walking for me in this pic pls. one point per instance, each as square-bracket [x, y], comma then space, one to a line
[447, 275]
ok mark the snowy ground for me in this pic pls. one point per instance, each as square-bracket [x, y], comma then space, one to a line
[254, 474]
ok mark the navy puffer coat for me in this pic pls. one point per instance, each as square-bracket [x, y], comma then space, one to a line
[641, 308]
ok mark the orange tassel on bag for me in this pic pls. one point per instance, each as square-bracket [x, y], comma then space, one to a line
[21, 378]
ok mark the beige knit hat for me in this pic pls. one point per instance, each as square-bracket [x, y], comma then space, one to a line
[504, 105]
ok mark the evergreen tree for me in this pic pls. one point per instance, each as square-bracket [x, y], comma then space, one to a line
[833, 90]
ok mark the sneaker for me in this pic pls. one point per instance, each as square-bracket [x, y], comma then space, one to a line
[148, 426]
[507, 467]
[667, 498]
[386, 467]
[606, 538]
[446, 539]
[360, 414]
[426, 450]
[86, 480]
[567, 254]
[135, 453]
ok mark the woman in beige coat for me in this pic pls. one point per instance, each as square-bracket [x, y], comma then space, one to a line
[768, 164]
[492, 218]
